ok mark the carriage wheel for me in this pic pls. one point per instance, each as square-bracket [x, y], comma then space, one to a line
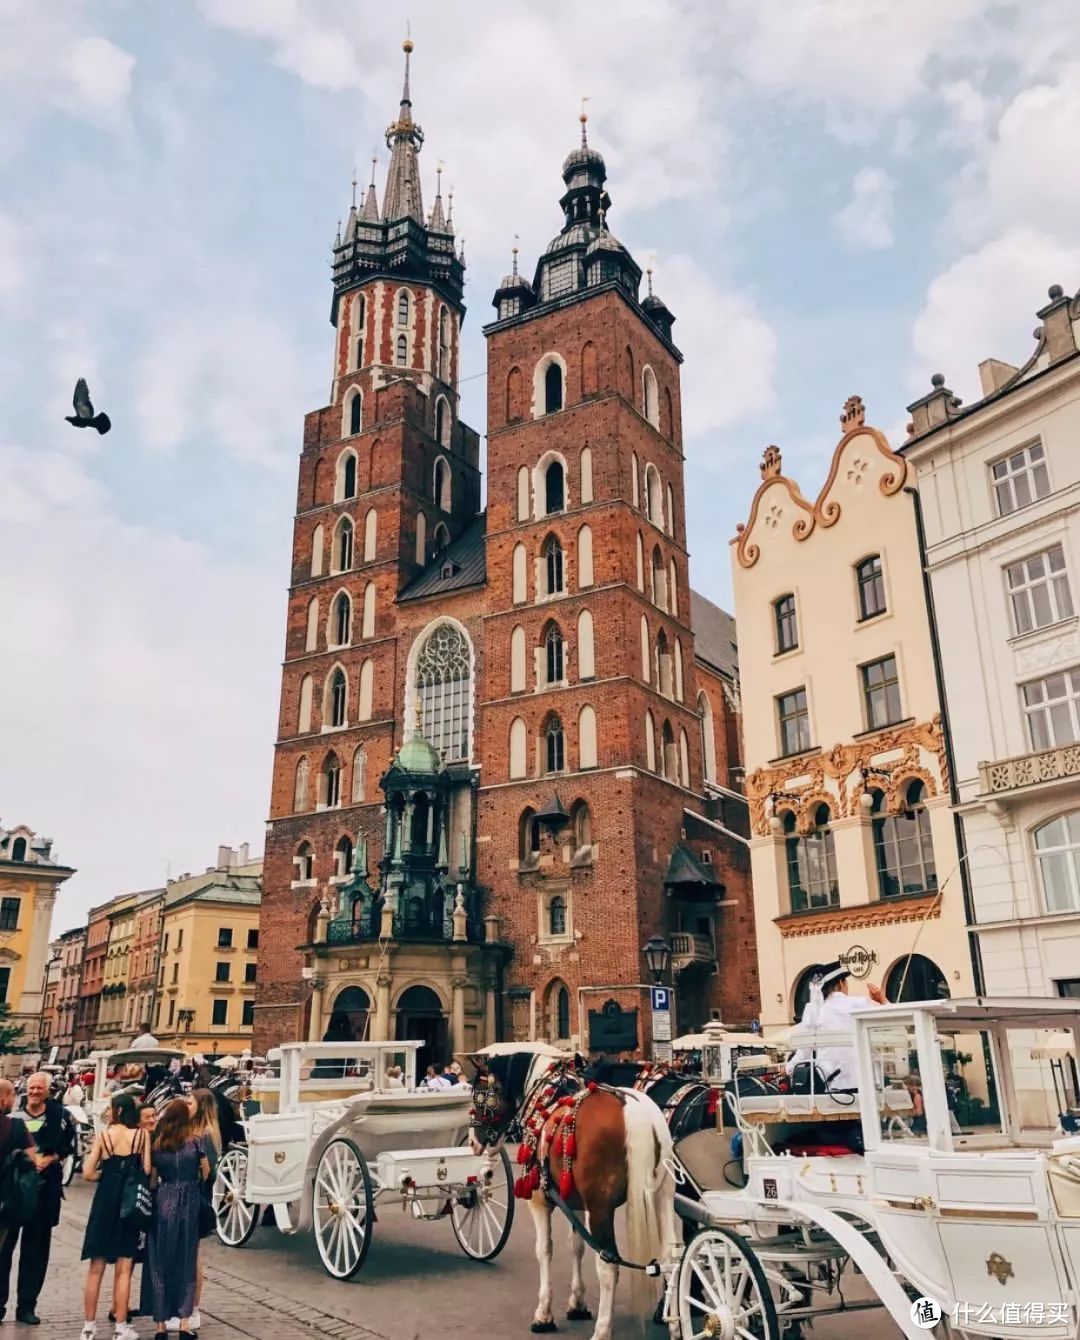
[482, 1213]
[722, 1290]
[67, 1170]
[235, 1219]
[342, 1206]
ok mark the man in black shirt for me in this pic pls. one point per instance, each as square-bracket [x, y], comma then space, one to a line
[53, 1134]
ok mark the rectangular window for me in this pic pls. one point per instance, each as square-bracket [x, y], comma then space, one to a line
[180, 939]
[250, 969]
[248, 1016]
[1039, 590]
[253, 939]
[165, 946]
[1068, 986]
[221, 972]
[221, 1013]
[224, 937]
[881, 693]
[5, 978]
[1020, 478]
[175, 973]
[787, 627]
[157, 1015]
[794, 719]
[172, 1013]
[871, 582]
[9, 914]
[1052, 708]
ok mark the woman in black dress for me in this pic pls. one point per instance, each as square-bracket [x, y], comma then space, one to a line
[109, 1240]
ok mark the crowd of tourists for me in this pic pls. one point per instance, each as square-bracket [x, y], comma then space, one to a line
[152, 1164]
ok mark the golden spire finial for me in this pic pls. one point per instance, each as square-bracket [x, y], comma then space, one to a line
[649, 274]
[407, 45]
[515, 252]
[583, 117]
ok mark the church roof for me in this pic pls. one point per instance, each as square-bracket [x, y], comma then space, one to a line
[460, 565]
[715, 640]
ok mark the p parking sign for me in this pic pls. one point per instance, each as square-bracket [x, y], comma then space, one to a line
[661, 998]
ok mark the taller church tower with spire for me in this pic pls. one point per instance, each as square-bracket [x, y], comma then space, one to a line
[503, 764]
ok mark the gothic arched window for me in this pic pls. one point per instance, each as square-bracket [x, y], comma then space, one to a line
[342, 619]
[403, 308]
[553, 566]
[444, 346]
[443, 682]
[339, 693]
[402, 350]
[343, 856]
[554, 746]
[330, 782]
[554, 488]
[343, 545]
[553, 388]
[356, 410]
[554, 655]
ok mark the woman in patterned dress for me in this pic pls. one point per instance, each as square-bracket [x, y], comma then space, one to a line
[179, 1159]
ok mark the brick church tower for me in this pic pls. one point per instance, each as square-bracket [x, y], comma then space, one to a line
[502, 763]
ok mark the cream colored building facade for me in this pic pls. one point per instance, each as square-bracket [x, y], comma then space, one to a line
[853, 846]
[209, 952]
[999, 486]
[110, 1032]
[30, 877]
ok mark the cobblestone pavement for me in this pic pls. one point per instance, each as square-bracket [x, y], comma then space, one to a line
[415, 1283]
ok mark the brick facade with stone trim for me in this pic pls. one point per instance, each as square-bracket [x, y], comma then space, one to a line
[562, 905]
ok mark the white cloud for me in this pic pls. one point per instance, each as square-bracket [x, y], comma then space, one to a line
[100, 72]
[1030, 165]
[983, 306]
[730, 348]
[311, 44]
[50, 61]
[227, 377]
[859, 59]
[866, 220]
[14, 261]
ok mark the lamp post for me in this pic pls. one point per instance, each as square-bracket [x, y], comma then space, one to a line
[657, 953]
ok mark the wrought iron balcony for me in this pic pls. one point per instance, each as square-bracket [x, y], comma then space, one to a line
[1005, 776]
[366, 928]
[688, 949]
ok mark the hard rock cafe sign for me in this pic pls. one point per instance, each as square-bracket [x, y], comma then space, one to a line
[859, 961]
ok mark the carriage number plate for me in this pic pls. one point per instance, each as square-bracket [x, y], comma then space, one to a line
[769, 1188]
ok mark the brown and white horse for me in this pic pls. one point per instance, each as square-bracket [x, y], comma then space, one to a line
[596, 1148]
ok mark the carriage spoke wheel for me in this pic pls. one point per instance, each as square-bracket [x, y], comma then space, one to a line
[235, 1219]
[342, 1205]
[67, 1170]
[482, 1213]
[722, 1290]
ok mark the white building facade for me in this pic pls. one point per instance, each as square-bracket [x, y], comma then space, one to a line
[999, 492]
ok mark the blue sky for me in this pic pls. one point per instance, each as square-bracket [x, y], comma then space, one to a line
[837, 196]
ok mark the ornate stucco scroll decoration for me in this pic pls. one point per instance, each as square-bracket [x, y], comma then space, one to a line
[746, 550]
[853, 422]
[834, 777]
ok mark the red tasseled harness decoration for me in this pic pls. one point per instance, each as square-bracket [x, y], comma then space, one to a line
[549, 1124]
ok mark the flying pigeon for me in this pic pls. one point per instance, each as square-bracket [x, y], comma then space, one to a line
[84, 416]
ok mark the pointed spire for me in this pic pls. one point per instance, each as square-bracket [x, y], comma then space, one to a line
[370, 210]
[514, 269]
[450, 210]
[354, 186]
[649, 274]
[350, 226]
[584, 118]
[437, 222]
[337, 236]
[461, 252]
[404, 138]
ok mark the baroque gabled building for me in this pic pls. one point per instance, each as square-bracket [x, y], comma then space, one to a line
[503, 763]
[854, 847]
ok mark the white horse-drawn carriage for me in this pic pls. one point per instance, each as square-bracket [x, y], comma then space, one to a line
[958, 1200]
[339, 1127]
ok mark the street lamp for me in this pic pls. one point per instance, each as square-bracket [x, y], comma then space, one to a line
[657, 953]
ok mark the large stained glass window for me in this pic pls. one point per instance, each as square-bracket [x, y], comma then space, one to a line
[444, 689]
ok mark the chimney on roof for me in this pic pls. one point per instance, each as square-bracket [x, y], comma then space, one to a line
[225, 856]
[993, 374]
[242, 854]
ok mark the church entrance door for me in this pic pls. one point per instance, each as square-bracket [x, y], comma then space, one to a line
[420, 1019]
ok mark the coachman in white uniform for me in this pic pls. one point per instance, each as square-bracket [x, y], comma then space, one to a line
[830, 1008]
